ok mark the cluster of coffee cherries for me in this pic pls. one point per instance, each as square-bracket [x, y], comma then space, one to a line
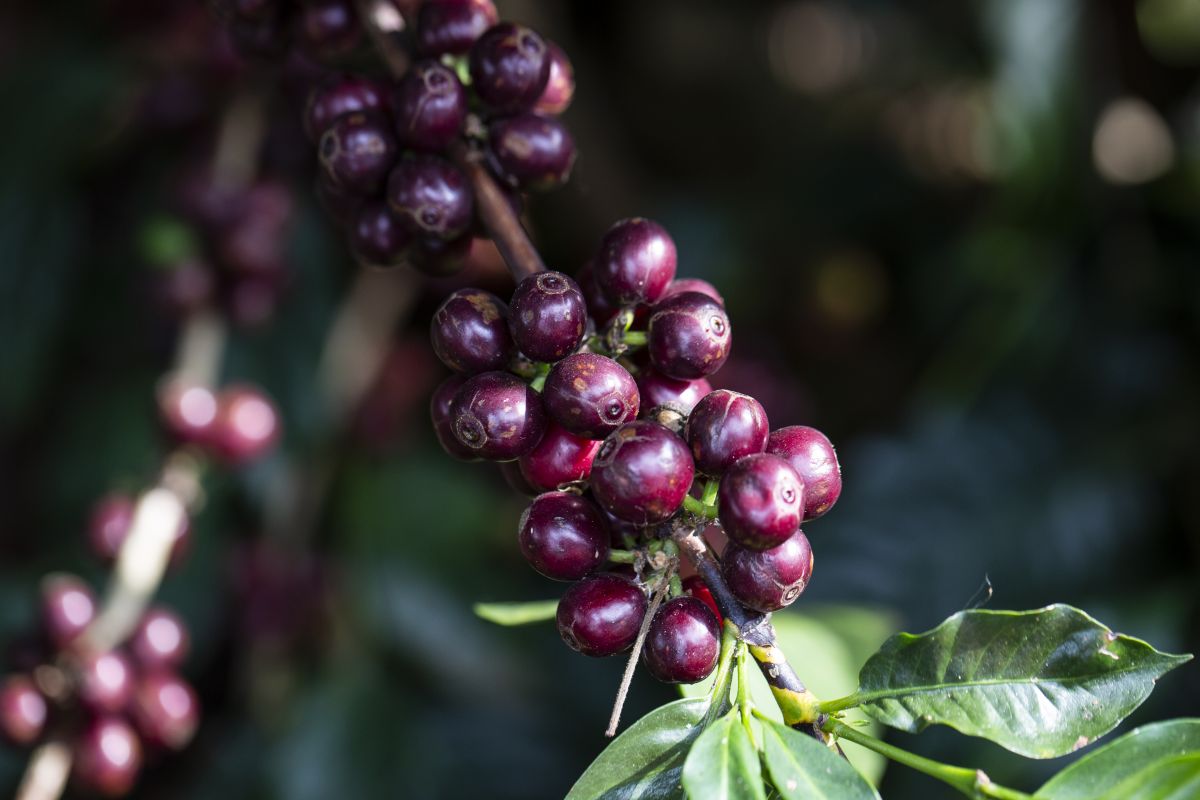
[115, 707]
[618, 435]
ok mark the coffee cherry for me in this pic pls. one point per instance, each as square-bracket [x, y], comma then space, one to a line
[166, 710]
[548, 316]
[67, 607]
[160, 641]
[635, 263]
[600, 308]
[452, 26]
[187, 410]
[247, 425]
[642, 473]
[590, 395]
[683, 642]
[470, 332]
[601, 615]
[22, 710]
[681, 285]
[560, 457]
[509, 67]
[497, 416]
[105, 681]
[377, 236]
[431, 197]
[439, 411]
[328, 28]
[430, 107]
[768, 580]
[560, 88]
[723, 427]
[689, 336]
[531, 152]
[812, 455]
[697, 588]
[563, 536]
[108, 757]
[357, 152]
[339, 96]
[659, 390]
[109, 524]
[761, 501]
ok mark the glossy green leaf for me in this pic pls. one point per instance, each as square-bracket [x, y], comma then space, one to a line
[1040, 683]
[645, 762]
[723, 764]
[1157, 762]
[804, 769]
[517, 613]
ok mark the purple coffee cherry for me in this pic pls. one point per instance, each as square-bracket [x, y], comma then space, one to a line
[600, 307]
[328, 29]
[431, 197]
[23, 710]
[357, 152]
[768, 580]
[563, 536]
[377, 236]
[106, 681]
[601, 615]
[635, 263]
[689, 336]
[161, 640]
[470, 332]
[68, 607]
[531, 152]
[642, 473]
[497, 416]
[187, 411]
[590, 395]
[659, 390]
[811, 454]
[108, 756]
[247, 425]
[681, 285]
[724, 427]
[344, 94]
[683, 642]
[761, 501]
[560, 457]
[439, 411]
[510, 67]
[560, 88]
[166, 710]
[452, 26]
[548, 316]
[430, 107]
[108, 525]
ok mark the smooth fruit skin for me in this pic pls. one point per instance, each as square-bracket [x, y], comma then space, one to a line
[697, 588]
[689, 336]
[599, 306]
[497, 416]
[108, 757]
[187, 410]
[531, 152]
[377, 236]
[683, 642]
[548, 316]
[344, 94]
[681, 285]
[642, 473]
[635, 263]
[560, 87]
[563, 536]
[601, 615]
[761, 501]
[431, 197]
[429, 108]
[768, 580]
[590, 395]
[357, 152]
[510, 67]
[67, 606]
[106, 681]
[812, 455]
[160, 641]
[328, 28]
[452, 26]
[560, 458]
[166, 710]
[470, 332]
[724, 427]
[109, 524]
[660, 390]
[22, 710]
[439, 412]
[247, 425]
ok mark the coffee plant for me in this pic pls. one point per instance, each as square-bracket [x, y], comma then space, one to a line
[678, 515]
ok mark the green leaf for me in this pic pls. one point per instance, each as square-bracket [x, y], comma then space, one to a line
[645, 762]
[723, 764]
[804, 769]
[517, 613]
[1040, 683]
[1157, 762]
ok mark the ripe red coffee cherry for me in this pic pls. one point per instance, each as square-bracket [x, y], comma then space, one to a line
[657, 389]
[377, 236]
[635, 263]
[470, 332]
[67, 607]
[642, 473]
[563, 536]
[160, 641]
[430, 107]
[439, 411]
[697, 588]
[723, 427]
[531, 152]
[166, 710]
[187, 410]
[548, 316]
[560, 87]
[681, 285]
[452, 26]
[22, 710]
[689, 336]
[357, 152]
[247, 425]
[108, 756]
[328, 28]
[761, 501]
[768, 580]
[683, 642]
[431, 197]
[497, 416]
[509, 67]
[105, 681]
[590, 395]
[341, 95]
[601, 615]
[560, 457]
[812, 455]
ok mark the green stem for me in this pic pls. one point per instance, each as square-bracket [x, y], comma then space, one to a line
[698, 508]
[622, 556]
[744, 692]
[840, 704]
[971, 782]
[539, 381]
[729, 641]
[676, 586]
[710, 492]
[635, 338]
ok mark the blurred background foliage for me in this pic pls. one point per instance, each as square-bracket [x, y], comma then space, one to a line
[959, 237]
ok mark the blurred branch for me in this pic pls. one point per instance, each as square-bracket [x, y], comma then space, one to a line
[49, 768]
[384, 23]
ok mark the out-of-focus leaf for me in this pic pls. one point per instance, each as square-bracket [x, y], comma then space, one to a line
[517, 613]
